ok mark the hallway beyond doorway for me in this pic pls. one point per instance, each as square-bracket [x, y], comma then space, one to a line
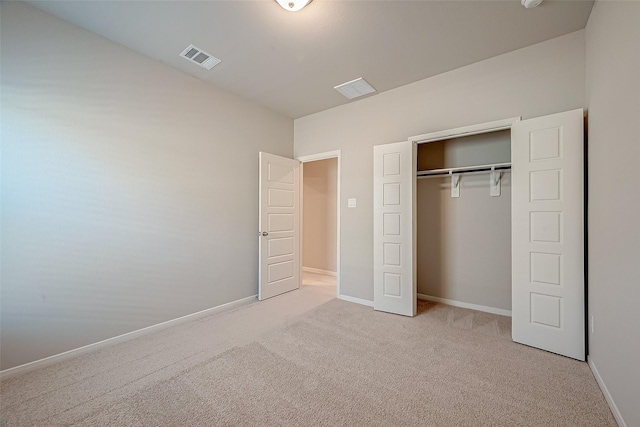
[316, 279]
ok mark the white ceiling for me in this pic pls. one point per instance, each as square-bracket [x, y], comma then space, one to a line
[290, 62]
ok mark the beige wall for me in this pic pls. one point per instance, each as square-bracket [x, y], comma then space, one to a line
[538, 80]
[129, 189]
[320, 214]
[464, 244]
[613, 101]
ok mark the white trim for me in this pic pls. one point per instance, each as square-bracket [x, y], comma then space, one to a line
[337, 154]
[465, 131]
[27, 367]
[455, 303]
[319, 156]
[301, 224]
[605, 391]
[339, 214]
[319, 271]
[447, 134]
[356, 300]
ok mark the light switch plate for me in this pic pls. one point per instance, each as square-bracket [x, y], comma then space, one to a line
[352, 203]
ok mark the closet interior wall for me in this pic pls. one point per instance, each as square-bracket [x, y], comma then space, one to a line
[464, 244]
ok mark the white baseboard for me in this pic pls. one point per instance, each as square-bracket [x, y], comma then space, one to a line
[455, 303]
[17, 370]
[612, 405]
[319, 271]
[356, 300]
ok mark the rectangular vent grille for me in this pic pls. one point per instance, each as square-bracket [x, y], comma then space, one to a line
[355, 88]
[200, 57]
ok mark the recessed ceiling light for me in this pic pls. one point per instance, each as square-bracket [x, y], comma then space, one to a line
[200, 57]
[355, 88]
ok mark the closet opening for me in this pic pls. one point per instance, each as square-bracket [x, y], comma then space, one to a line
[320, 222]
[492, 220]
[463, 221]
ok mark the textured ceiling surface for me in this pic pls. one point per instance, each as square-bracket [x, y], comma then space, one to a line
[290, 62]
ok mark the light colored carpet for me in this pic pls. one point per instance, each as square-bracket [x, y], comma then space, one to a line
[336, 364]
[316, 279]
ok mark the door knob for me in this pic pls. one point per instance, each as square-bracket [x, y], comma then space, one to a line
[264, 233]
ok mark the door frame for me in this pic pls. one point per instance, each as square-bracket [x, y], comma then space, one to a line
[465, 131]
[476, 129]
[336, 154]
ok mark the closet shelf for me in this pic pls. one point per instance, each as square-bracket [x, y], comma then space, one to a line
[463, 169]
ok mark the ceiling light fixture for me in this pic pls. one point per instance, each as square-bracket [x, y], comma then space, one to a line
[530, 4]
[293, 5]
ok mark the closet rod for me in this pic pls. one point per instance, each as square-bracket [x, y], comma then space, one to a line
[463, 170]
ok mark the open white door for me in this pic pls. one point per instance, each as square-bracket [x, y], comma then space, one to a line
[279, 259]
[548, 233]
[394, 285]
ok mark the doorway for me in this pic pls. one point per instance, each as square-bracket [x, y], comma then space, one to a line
[320, 221]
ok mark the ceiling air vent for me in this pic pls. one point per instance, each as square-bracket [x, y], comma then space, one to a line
[200, 57]
[355, 88]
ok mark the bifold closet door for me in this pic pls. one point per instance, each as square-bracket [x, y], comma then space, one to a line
[548, 305]
[394, 185]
